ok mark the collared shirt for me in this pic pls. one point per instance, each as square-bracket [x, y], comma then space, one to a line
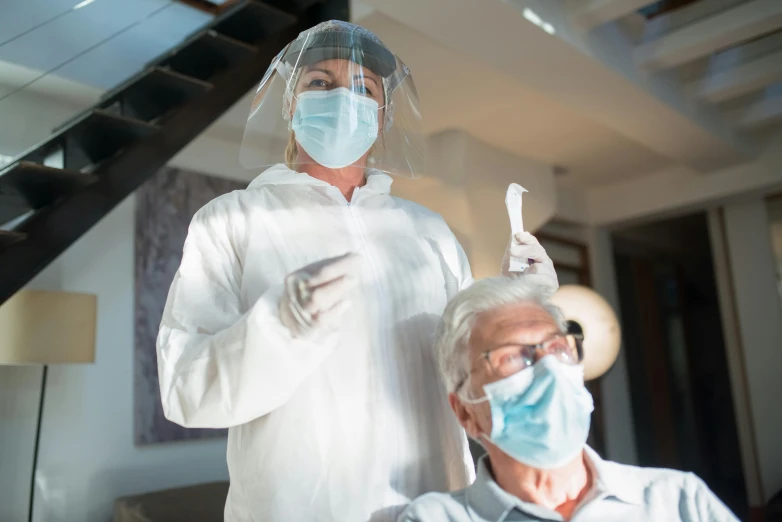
[620, 493]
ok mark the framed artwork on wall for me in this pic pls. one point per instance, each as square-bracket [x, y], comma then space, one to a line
[164, 207]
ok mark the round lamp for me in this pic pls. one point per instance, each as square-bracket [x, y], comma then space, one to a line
[586, 310]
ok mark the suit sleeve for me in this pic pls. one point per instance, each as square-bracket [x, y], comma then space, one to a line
[465, 272]
[219, 364]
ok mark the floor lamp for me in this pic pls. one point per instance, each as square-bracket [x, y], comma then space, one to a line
[43, 328]
[588, 313]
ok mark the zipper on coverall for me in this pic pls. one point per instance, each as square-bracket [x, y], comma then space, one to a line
[383, 301]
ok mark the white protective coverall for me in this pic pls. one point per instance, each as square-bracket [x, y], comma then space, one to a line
[344, 426]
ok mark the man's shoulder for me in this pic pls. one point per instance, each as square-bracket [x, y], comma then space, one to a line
[648, 477]
[683, 488]
[437, 507]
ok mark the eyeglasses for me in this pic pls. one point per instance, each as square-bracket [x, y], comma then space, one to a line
[510, 359]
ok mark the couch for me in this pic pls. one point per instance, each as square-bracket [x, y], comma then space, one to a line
[199, 503]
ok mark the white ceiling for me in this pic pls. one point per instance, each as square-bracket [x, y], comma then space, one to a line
[525, 77]
[460, 92]
[725, 54]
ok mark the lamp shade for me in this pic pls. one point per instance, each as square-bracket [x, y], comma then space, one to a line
[598, 322]
[44, 327]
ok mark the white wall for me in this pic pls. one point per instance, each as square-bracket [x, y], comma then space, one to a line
[466, 183]
[87, 456]
[19, 388]
[759, 311]
[615, 388]
[775, 222]
[738, 376]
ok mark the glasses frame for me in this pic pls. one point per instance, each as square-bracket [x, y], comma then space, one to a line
[533, 348]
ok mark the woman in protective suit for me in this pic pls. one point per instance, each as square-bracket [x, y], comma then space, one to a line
[302, 314]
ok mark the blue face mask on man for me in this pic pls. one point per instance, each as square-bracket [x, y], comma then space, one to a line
[337, 127]
[540, 415]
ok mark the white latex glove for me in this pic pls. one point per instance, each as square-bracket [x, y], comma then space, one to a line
[315, 296]
[526, 247]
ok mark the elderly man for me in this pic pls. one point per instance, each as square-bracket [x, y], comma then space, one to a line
[516, 384]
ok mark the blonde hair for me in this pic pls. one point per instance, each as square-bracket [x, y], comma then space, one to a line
[291, 151]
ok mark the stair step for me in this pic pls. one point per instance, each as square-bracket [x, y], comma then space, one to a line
[155, 94]
[101, 135]
[253, 21]
[9, 237]
[10, 209]
[90, 138]
[213, 7]
[207, 55]
[26, 184]
[293, 6]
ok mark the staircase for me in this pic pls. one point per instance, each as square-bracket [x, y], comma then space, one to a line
[108, 151]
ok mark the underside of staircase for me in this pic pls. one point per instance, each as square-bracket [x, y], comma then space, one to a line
[55, 192]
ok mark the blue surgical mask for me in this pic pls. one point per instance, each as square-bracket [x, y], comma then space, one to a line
[540, 415]
[335, 127]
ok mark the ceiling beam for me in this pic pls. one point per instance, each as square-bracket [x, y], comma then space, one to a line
[678, 191]
[704, 37]
[609, 90]
[763, 113]
[744, 78]
[670, 21]
[587, 14]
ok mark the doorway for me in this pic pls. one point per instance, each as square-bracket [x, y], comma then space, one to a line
[675, 352]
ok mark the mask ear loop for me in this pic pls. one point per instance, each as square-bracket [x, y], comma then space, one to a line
[468, 400]
[289, 96]
[482, 437]
[388, 111]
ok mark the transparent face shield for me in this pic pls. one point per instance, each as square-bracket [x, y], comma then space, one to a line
[335, 97]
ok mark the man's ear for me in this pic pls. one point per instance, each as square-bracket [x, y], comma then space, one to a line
[465, 416]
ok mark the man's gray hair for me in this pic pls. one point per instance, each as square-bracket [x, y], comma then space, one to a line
[453, 334]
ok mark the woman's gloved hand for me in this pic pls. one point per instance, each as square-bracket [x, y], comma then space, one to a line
[526, 248]
[315, 296]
